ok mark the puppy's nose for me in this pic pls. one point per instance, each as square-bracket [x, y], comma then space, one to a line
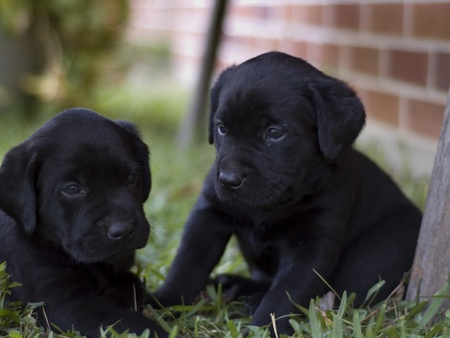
[119, 231]
[230, 180]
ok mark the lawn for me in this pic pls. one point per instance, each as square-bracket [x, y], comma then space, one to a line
[178, 172]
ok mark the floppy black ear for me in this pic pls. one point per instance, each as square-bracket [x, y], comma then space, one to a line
[340, 116]
[214, 99]
[143, 157]
[17, 186]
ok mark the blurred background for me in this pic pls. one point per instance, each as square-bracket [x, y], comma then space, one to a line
[395, 53]
[146, 61]
[144, 58]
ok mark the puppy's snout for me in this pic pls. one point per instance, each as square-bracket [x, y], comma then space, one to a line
[230, 180]
[120, 231]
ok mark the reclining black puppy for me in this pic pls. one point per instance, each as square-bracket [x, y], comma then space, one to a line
[287, 182]
[71, 217]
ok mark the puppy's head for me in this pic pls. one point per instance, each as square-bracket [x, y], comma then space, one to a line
[79, 182]
[279, 125]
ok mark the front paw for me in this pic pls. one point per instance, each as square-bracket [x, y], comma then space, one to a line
[248, 290]
[164, 297]
[233, 286]
[237, 286]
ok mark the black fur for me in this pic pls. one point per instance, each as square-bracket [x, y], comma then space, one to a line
[287, 182]
[71, 218]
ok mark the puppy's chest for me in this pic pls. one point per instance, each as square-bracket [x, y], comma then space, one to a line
[122, 288]
[260, 247]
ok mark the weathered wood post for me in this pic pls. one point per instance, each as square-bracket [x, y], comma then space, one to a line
[194, 125]
[432, 261]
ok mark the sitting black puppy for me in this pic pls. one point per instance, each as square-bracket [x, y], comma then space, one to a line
[301, 201]
[71, 217]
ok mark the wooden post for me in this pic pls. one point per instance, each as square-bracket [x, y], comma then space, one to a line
[194, 125]
[431, 266]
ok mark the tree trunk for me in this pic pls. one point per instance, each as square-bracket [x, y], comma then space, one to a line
[194, 125]
[432, 261]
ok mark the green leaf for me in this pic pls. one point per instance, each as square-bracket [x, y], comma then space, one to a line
[233, 330]
[392, 332]
[357, 325]
[14, 335]
[380, 318]
[416, 310]
[374, 290]
[316, 330]
[434, 306]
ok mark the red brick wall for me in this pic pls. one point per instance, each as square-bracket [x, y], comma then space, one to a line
[396, 54]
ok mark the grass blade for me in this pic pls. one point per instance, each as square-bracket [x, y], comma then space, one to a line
[337, 327]
[380, 318]
[337, 318]
[316, 331]
[434, 306]
[418, 308]
[357, 325]
[234, 331]
[373, 291]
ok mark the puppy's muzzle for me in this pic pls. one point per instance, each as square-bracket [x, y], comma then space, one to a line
[230, 180]
[120, 231]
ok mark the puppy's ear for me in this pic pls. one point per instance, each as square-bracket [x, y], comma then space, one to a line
[340, 116]
[128, 126]
[17, 186]
[143, 157]
[214, 99]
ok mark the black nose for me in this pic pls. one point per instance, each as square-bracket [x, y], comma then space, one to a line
[230, 180]
[119, 231]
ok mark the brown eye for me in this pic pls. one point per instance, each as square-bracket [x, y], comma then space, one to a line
[72, 189]
[221, 129]
[132, 179]
[274, 134]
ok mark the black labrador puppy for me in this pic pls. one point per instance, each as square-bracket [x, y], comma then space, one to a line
[301, 201]
[71, 218]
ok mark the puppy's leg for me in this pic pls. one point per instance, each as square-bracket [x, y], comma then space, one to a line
[296, 279]
[384, 252]
[203, 242]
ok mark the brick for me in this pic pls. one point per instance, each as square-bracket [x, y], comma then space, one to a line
[296, 48]
[238, 41]
[408, 66]
[385, 18]
[304, 14]
[323, 55]
[265, 45]
[251, 12]
[425, 117]
[381, 106]
[234, 10]
[343, 16]
[364, 60]
[442, 71]
[284, 13]
[431, 20]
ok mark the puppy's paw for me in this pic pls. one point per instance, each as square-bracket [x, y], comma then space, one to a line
[234, 286]
[165, 296]
[252, 302]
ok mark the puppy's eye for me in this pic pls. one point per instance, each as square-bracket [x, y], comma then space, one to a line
[132, 179]
[221, 129]
[72, 189]
[274, 134]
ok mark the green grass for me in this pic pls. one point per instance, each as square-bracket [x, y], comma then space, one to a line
[178, 173]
